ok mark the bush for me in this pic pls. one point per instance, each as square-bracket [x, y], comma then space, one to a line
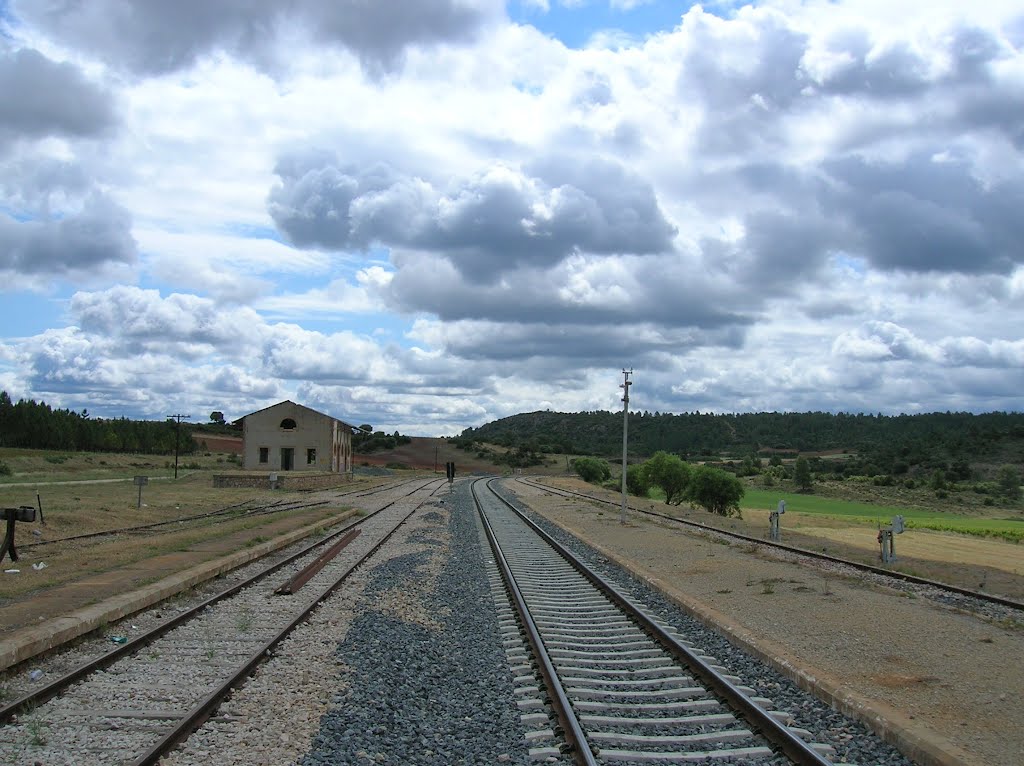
[5, 470]
[638, 483]
[591, 469]
[715, 491]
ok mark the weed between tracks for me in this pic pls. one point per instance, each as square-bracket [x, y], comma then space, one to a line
[244, 621]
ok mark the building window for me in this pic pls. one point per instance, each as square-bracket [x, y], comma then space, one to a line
[311, 456]
[264, 454]
[288, 424]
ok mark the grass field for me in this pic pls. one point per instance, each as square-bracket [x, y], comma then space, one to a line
[83, 493]
[875, 514]
[43, 466]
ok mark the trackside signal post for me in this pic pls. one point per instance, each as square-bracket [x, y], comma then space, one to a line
[625, 429]
[450, 471]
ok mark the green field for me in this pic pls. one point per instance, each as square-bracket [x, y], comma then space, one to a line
[874, 514]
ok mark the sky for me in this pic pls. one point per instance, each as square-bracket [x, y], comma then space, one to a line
[425, 215]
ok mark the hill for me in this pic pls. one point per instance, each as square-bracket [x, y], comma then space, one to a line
[423, 453]
[959, 442]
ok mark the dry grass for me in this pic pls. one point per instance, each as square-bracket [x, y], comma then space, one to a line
[104, 498]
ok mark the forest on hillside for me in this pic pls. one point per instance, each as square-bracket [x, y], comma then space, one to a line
[877, 444]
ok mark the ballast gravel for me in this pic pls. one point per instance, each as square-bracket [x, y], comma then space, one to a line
[427, 681]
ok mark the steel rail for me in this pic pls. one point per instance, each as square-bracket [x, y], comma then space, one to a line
[798, 751]
[896, 575]
[279, 505]
[202, 711]
[258, 510]
[572, 730]
[307, 574]
[55, 687]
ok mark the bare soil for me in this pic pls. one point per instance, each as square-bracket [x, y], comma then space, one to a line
[979, 563]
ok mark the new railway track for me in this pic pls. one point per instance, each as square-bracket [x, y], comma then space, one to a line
[133, 704]
[953, 594]
[623, 687]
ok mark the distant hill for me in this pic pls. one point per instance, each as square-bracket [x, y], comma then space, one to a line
[890, 442]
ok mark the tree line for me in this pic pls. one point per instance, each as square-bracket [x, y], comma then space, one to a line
[366, 440]
[879, 444]
[37, 425]
[705, 486]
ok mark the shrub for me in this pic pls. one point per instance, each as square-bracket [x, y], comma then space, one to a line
[5, 470]
[591, 469]
[715, 491]
[637, 481]
[670, 473]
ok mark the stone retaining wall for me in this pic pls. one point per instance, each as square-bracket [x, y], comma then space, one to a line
[284, 480]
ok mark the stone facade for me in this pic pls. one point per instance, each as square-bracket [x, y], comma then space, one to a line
[289, 437]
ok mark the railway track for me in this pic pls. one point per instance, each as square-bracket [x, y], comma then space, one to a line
[245, 509]
[135, 703]
[623, 687]
[952, 595]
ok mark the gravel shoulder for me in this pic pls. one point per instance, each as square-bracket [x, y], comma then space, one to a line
[943, 685]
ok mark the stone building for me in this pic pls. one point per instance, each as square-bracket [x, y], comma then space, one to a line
[290, 437]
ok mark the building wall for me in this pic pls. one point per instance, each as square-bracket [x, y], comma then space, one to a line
[317, 442]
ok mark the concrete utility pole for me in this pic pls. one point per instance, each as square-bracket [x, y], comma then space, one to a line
[625, 430]
[177, 433]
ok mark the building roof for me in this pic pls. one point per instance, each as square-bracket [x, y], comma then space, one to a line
[301, 406]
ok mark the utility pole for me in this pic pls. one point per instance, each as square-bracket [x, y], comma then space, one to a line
[177, 433]
[625, 430]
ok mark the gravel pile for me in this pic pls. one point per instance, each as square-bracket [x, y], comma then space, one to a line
[428, 682]
[852, 742]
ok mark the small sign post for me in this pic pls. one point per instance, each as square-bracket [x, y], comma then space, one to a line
[773, 521]
[140, 482]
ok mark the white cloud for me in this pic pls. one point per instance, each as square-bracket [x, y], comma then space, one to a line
[793, 205]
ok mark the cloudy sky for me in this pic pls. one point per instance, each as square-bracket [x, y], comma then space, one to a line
[429, 214]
